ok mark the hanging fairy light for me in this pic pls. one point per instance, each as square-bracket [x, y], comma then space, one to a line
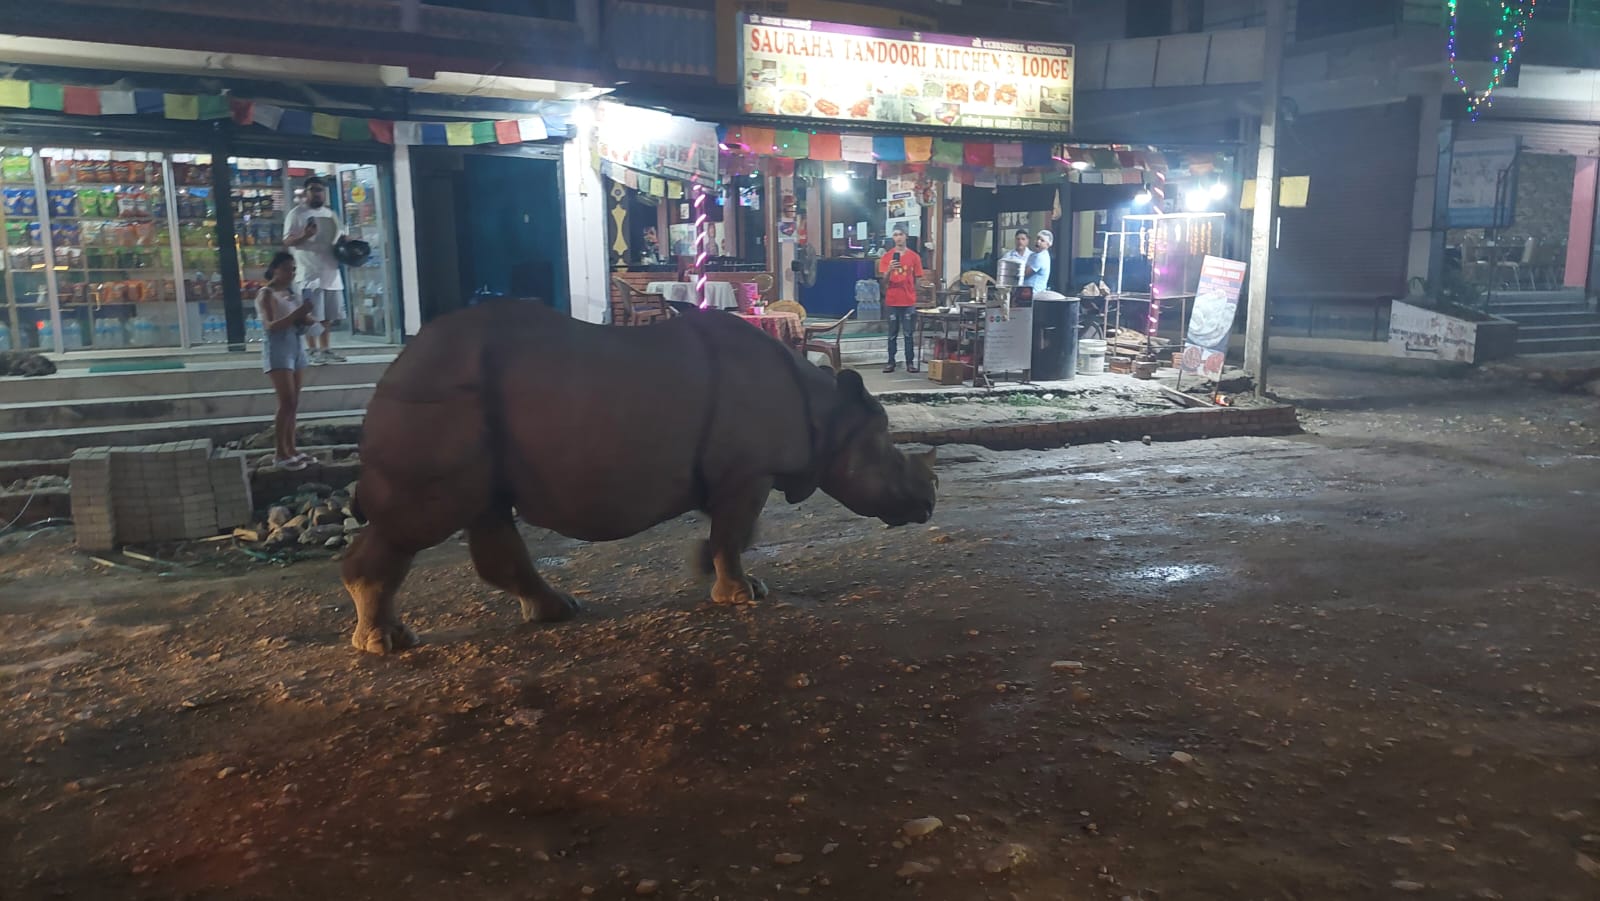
[702, 243]
[1510, 32]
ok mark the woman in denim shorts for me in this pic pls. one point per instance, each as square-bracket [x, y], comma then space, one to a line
[283, 354]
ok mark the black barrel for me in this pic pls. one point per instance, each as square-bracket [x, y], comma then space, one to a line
[1055, 337]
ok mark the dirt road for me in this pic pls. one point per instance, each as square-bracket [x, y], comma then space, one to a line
[1359, 664]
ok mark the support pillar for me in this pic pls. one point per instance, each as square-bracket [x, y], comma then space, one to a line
[1255, 354]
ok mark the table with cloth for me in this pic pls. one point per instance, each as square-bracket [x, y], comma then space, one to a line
[720, 295]
[786, 327]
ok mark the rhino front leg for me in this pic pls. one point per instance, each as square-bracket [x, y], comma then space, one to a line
[733, 525]
[373, 571]
[502, 560]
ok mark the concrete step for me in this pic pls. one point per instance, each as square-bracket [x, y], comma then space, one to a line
[54, 444]
[260, 401]
[1588, 344]
[1575, 330]
[1532, 320]
[1513, 308]
[239, 373]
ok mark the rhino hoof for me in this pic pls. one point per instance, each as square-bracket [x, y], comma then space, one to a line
[753, 590]
[384, 639]
[557, 608]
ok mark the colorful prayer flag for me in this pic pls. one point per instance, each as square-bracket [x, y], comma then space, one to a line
[117, 103]
[14, 94]
[325, 126]
[267, 115]
[46, 97]
[185, 107]
[81, 101]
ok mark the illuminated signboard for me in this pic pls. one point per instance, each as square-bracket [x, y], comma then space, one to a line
[800, 69]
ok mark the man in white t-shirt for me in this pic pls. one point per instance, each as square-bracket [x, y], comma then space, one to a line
[1021, 251]
[311, 231]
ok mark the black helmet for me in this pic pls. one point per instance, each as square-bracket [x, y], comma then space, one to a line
[352, 252]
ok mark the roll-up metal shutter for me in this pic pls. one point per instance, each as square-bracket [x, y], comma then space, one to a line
[1352, 237]
[1556, 138]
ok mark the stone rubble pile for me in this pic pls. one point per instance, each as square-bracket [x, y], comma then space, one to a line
[317, 516]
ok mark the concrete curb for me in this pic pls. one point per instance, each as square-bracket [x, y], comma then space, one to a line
[1179, 425]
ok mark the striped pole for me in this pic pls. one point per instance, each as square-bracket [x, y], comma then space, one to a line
[702, 243]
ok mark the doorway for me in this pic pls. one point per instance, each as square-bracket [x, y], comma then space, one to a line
[489, 223]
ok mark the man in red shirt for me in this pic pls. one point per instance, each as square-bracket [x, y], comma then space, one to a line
[900, 268]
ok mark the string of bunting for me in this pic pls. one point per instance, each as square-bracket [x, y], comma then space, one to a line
[979, 163]
[83, 101]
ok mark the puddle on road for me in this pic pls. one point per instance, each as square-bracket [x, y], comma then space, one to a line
[1076, 477]
[551, 562]
[1259, 518]
[1172, 573]
[1547, 462]
[1063, 501]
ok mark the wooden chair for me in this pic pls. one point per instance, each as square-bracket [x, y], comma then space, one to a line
[630, 306]
[817, 340]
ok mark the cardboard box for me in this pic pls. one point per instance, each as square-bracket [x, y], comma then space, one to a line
[947, 372]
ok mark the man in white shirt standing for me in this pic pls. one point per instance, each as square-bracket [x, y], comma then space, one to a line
[1020, 252]
[311, 231]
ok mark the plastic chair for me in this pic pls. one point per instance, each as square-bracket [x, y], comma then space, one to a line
[817, 341]
[630, 306]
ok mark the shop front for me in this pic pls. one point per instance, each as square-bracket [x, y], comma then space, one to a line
[846, 136]
[155, 236]
[142, 221]
[683, 232]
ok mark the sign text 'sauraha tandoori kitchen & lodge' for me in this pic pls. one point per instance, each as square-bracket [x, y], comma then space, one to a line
[800, 69]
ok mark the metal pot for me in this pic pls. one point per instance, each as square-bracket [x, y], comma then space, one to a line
[1009, 273]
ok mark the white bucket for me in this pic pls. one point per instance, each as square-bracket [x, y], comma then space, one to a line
[1091, 356]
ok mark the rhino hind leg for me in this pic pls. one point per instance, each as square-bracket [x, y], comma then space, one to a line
[502, 560]
[373, 571]
[733, 527]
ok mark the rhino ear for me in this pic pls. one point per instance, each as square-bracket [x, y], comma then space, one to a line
[850, 385]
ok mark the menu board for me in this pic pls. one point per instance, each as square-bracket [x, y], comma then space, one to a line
[1205, 344]
[800, 69]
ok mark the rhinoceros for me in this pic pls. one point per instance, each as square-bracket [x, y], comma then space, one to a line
[510, 409]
